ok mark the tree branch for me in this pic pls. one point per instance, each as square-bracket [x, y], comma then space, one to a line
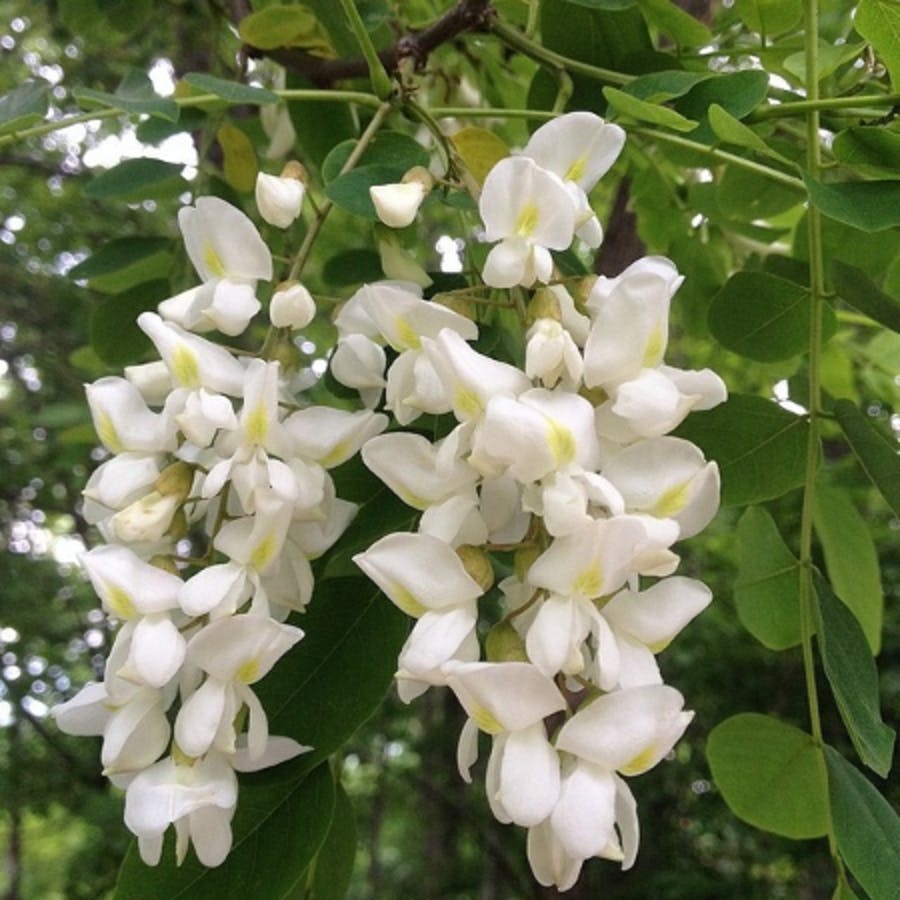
[466, 15]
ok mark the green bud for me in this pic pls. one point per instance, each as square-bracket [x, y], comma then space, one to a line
[175, 480]
[477, 565]
[179, 527]
[524, 558]
[543, 305]
[505, 644]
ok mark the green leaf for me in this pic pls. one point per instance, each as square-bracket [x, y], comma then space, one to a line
[355, 266]
[867, 829]
[23, 106]
[760, 447]
[323, 690]
[333, 866]
[856, 288]
[850, 559]
[769, 17]
[683, 28]
[853, 677]
[319, 126]
[125, 262]
[878, 21]
[867, 205]
[771, 775]
[115, 335]
[281, 821]
[605, 4]
[391, 149]
[747, 196]
[239, 163]
[136, 179]
[231, 91]
[830, 58]
[872, 150]
[644, 111]
[277, 26]
[657, 87]
[767, 589]
[877, 454]
[761, 316]
[479, 149]
[739, 93]
[135, 95]
[733, 131]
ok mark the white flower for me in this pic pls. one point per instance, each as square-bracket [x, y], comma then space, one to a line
[530, 211]
[397, 204]
[230, 257]
[292, 306]
[279, 198]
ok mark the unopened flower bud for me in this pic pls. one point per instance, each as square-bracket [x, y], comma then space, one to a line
[477, 565]
[397, 204]
[505, 644]
[279, 197]
[147, 519]
[292, 306]
[175, 480]
[543, 305]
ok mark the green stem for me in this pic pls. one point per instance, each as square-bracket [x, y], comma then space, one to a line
[720, 155]
[364, 140]
[817, 104]
[518, 41]
[814, 403]
[487, 112]
[429, 121]
[381, 81]
[199, 101]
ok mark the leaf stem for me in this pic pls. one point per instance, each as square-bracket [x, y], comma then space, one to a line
[514, 38]
[364, 140]
[381, 81]
[721, 155]
[819, 104]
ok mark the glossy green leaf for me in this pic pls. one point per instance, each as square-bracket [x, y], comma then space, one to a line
[876, 453]
[23, 106]
[135, 95]
[479, 149]
[125, 262]
[137, 179]
[739, 93]
[878, 21]
[761, 316]
[115, 335]
[232, 91]
[850, 559]
[277, 26]
[282, 818]
[769, 17]
[333, 680]
[867, 205]
[767, 589]
[657, 87]
[771, 775]
[856, 288]
[644, 111]
[853, 677]
[389, 149]
[333, 865]
[731, 130]
[866, 827]
[760, 447]
[682, 27]
[869, 149]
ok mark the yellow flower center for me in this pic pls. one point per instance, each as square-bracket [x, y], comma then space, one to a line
[248, 672]
[107, 433]
[263, 552]
[589, 583]
[213, 261]
[672, 501]
[406, 601]
[527, 221]
[486, 721]
[562, 444]
[257, 426]
[640, 762]
[576, 170]
[185, 367]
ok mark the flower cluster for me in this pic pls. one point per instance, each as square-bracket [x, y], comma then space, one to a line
[561, 472]
[219, 446]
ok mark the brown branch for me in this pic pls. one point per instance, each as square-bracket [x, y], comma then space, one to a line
[466, 15]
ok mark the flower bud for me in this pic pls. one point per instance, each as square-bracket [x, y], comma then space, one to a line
[543, 305]
[292, 306]
[477, 565]
[397, 204]
[505, 644]
[279, 197]
[147, 519]
[175, 480]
